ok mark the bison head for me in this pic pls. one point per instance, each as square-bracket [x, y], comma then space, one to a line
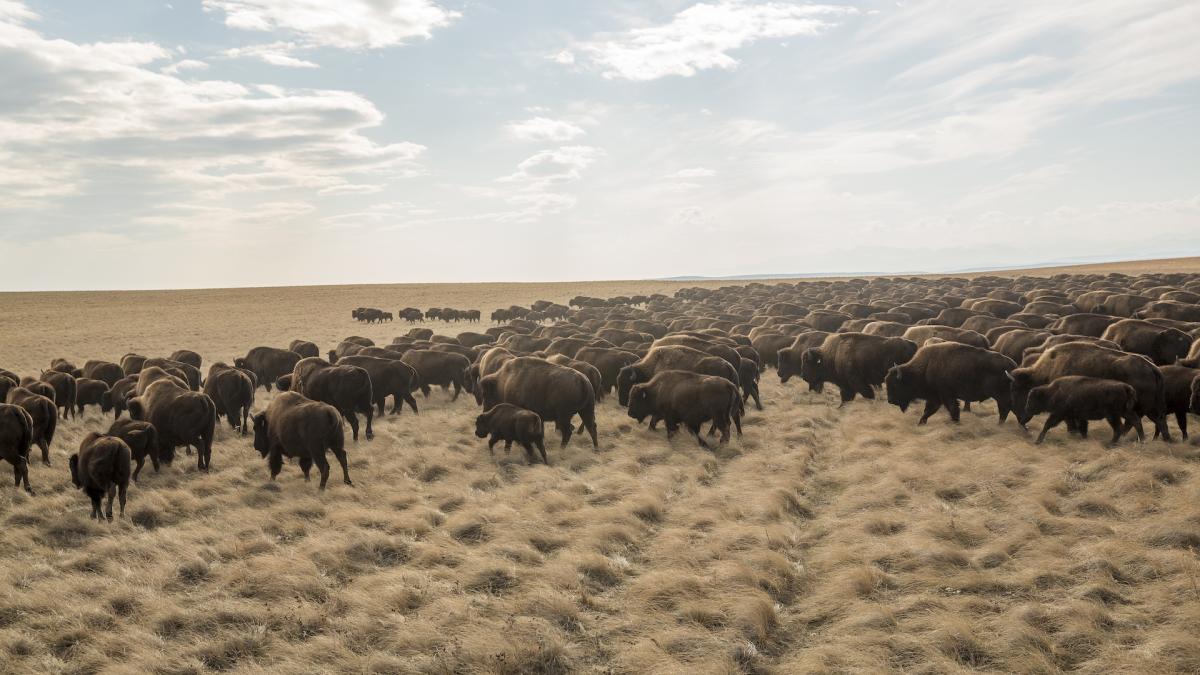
[1022, 383]
[812, 369]
[136, 409]
[626, 379]
[489, 391]
[641, 402]
[73, 462]
[1037, 401]
[240, 362]
[899, 388]
[483, 425]
[261, 443]
[106, 401]
[283, 382]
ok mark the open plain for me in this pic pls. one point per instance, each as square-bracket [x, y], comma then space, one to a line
[823, 540]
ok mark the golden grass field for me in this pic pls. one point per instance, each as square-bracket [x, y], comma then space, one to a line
[824, 540]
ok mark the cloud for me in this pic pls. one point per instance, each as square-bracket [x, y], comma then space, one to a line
[82, 119]
[555, 166]
[543, 129]
[345, 24]
[275, 53]
[185, 64]
[701, 37]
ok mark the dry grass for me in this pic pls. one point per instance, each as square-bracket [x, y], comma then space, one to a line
[823, 541]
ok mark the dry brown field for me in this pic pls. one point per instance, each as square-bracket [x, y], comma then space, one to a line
[823, 540]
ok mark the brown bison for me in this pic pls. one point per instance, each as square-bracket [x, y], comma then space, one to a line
[508, 423]
[1177, 383]
[304, 348]
[295, 426]
[180, 416]
[16, 437]
[944, 373]
[586, 369]
[43, 413]
[191, 374]
[268, 364]
[673, 357]
[89, 392]
[232, 392]
[855, 362]
[346, 388]
[131, 364]
[64, 385]
[1081, 358]
[1076, 399]
[389, 377]
[115, 398]
[441, 368]
[682, 397]
[102, 467]
[609, 361]
[553, 392]
[187, 356]
[142, 439]
[105, 371]
[1162, 345]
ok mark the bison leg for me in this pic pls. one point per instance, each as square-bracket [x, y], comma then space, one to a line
[508, 446]
[492, 444]
[1114, 421]
[305, 465]
[953, 409]
[412, 402]
[542, 449]
[1181, 418]
[757, 401]
[275, 462]
[121, 489]
[139, 461]
[737, 422]
[588, 415]
[353, 420]
[565, 428]
[694, 429]
[21, 473]
[847, 396]
[457, 390]
[966, 406]
[530, 458]
[45, 446]
[1052, 421]
[112, 493]
[340, 455]
[95, 495]
[425, 390]
[381, 404]
[1160, 428]
[1083, 428]
[931, 406]
[370, 416]
[323, 467]
[1135, 421]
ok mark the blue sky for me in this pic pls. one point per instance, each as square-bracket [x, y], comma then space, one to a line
[200, 143]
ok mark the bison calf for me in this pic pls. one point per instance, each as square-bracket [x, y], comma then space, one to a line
[506, 422]
[101, 466]
[1076, 399]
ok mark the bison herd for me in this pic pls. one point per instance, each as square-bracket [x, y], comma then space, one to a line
[414, 315]
[1076, 348]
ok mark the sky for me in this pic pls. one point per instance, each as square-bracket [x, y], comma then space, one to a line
[216, 143]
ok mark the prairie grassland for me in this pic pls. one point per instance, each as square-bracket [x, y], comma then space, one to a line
[824, 540]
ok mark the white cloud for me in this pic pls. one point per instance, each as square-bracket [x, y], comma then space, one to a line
[543, 129]
[555, 166]
[345, 24]
[701, 37]
[81, 114]
[694, 172]
[185, 64]
[275, 53]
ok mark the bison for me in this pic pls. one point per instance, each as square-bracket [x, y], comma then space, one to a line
[16, 438]
[683, 397]
[346, 388]
[944, 373]
[508, 423]
[855, 362]
[441, 368]
[102, 467]
[232, 392]
[295, 426]
[268, 364]
[180, 416]
[142, 439]
[42, 413]
[389, 377]
[1076, 399]
[554, 392]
